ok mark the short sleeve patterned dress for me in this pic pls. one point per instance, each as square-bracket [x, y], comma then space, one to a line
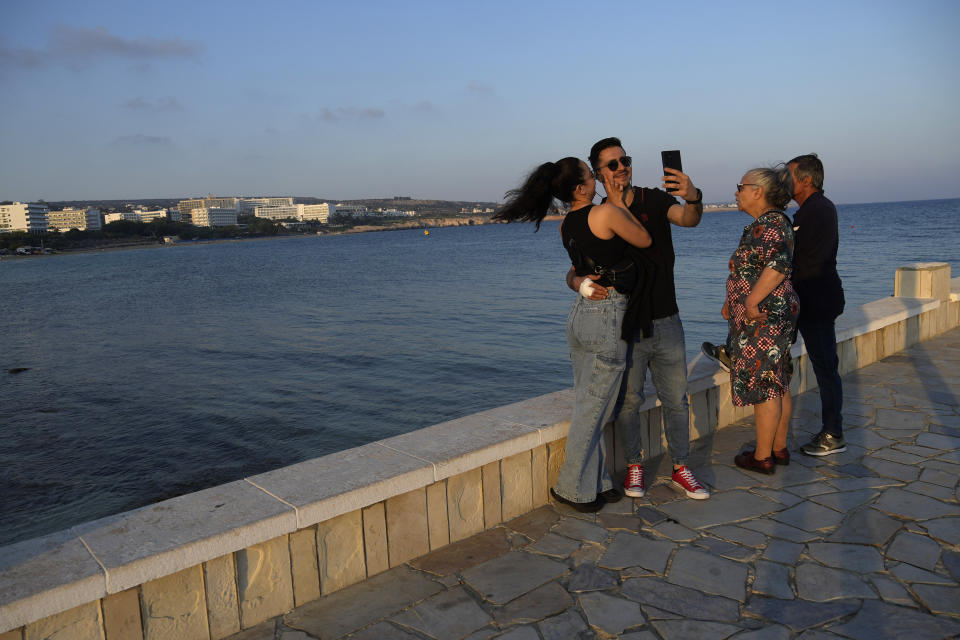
[760, 352]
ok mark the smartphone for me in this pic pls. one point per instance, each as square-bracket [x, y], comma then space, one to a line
[671, 159]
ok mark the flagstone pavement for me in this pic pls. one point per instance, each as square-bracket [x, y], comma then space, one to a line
[863, 544]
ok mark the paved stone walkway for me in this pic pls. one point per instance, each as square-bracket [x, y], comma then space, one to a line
[864, 544]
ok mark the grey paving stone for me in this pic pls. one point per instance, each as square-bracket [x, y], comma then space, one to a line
[923, 452]
[654, 613]
[727, 549]
[589, 553]
[812, 489]
[629, 550]
[946, 529]
[817, 634]
[502, 579]
[580, 530]
[912, 574]
[823, 584]
[623, 522]
[675, 532]
[897, 419]
[739, 535]
[899, 435]
[931, 490]
[723, 478]
[694, 630]
[938, 477]
[906, 504]
[548, 600]
[851, 557]
[865, 526]
[951, 561]
[782, 530]
[263, 631]
[378, 631]
[589, 577]
[659, 594]
[865, 438]
[554, 545]
[639, 635]
[780, 496]
[809, 516]
[799, 614]
[864, 482]
[611, 614]
[772, 579]
[362, 604]
[772, 632]
[449, 615]
[565, 626]
[920, 551]
[466, 553]
[783, 551]
[938, 441]
[795, 474]
[520, 633]
[651, 516]
[722, 508]
[701, 571]
[902, 472]
[894, 455]
[939, 599]
[846, 501]
[877, 620]
[892, 591]
[534, 524]
[855, 471]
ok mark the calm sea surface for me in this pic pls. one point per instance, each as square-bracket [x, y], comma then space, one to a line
[157, 372]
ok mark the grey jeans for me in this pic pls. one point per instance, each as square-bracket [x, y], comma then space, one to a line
[599, 360]
[664, 353]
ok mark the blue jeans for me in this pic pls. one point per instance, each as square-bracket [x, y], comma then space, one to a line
[599, 359]
[820, 338]
[665, 353]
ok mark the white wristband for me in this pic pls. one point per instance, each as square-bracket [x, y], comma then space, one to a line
[586, 287]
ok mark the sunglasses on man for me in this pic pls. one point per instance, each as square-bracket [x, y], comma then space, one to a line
[614, 164]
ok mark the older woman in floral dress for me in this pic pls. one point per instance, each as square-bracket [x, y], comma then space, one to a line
[761, 309]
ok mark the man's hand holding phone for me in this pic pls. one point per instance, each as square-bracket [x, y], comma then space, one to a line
[678, 183]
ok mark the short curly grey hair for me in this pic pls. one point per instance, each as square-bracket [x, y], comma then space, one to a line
[776, 182]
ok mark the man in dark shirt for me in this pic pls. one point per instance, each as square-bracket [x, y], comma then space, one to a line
[817, 283]
[660, 344]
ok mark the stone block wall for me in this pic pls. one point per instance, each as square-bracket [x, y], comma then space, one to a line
[207, 565]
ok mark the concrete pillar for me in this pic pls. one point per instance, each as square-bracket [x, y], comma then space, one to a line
[923, 280]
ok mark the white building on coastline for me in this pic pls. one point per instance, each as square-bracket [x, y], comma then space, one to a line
[247, 205]
[148, 216]
[121, 215]
[23, 216]
[214, 217]
[318, 212]
[186, 207]
[87, 219]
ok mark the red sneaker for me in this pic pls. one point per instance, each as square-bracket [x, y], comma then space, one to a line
[684, 479]
[634, 486]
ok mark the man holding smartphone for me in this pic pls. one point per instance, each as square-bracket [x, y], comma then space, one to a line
[659, 344]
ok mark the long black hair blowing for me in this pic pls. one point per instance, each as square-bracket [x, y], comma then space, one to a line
[550, 180]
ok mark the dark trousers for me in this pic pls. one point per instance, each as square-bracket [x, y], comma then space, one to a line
[820, 339]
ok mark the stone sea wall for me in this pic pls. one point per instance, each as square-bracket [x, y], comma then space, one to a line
[209, 564]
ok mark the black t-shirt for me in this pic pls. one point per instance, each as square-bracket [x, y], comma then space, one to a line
[578, 238]
[815, 277]
[650, 207]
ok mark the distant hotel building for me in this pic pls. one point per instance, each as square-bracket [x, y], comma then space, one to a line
[214, 217]
[318, 212]
[132, 216]
[148, 216]
[247, 205]
[21, 216]
[186, 207]
[87, 219]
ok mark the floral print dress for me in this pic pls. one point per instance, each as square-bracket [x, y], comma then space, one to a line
[760, 352]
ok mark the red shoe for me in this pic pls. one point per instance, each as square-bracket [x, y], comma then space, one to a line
[633, 485]
[684, 479]
[747, 460]
[782, 456]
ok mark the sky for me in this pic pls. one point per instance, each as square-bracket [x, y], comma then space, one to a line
[459, 101]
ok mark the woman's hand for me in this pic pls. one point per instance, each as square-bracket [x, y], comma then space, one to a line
[754, 314]
[616, 192]
[596, 291]
[725, 310]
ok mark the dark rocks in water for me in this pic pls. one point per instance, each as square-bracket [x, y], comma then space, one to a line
[18, 370]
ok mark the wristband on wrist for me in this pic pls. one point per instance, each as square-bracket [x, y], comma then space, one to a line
[699, 198]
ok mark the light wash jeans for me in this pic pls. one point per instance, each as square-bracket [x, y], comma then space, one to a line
[599, 359]
[665, 353]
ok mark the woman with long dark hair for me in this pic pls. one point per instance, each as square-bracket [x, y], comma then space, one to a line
[596, 237]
